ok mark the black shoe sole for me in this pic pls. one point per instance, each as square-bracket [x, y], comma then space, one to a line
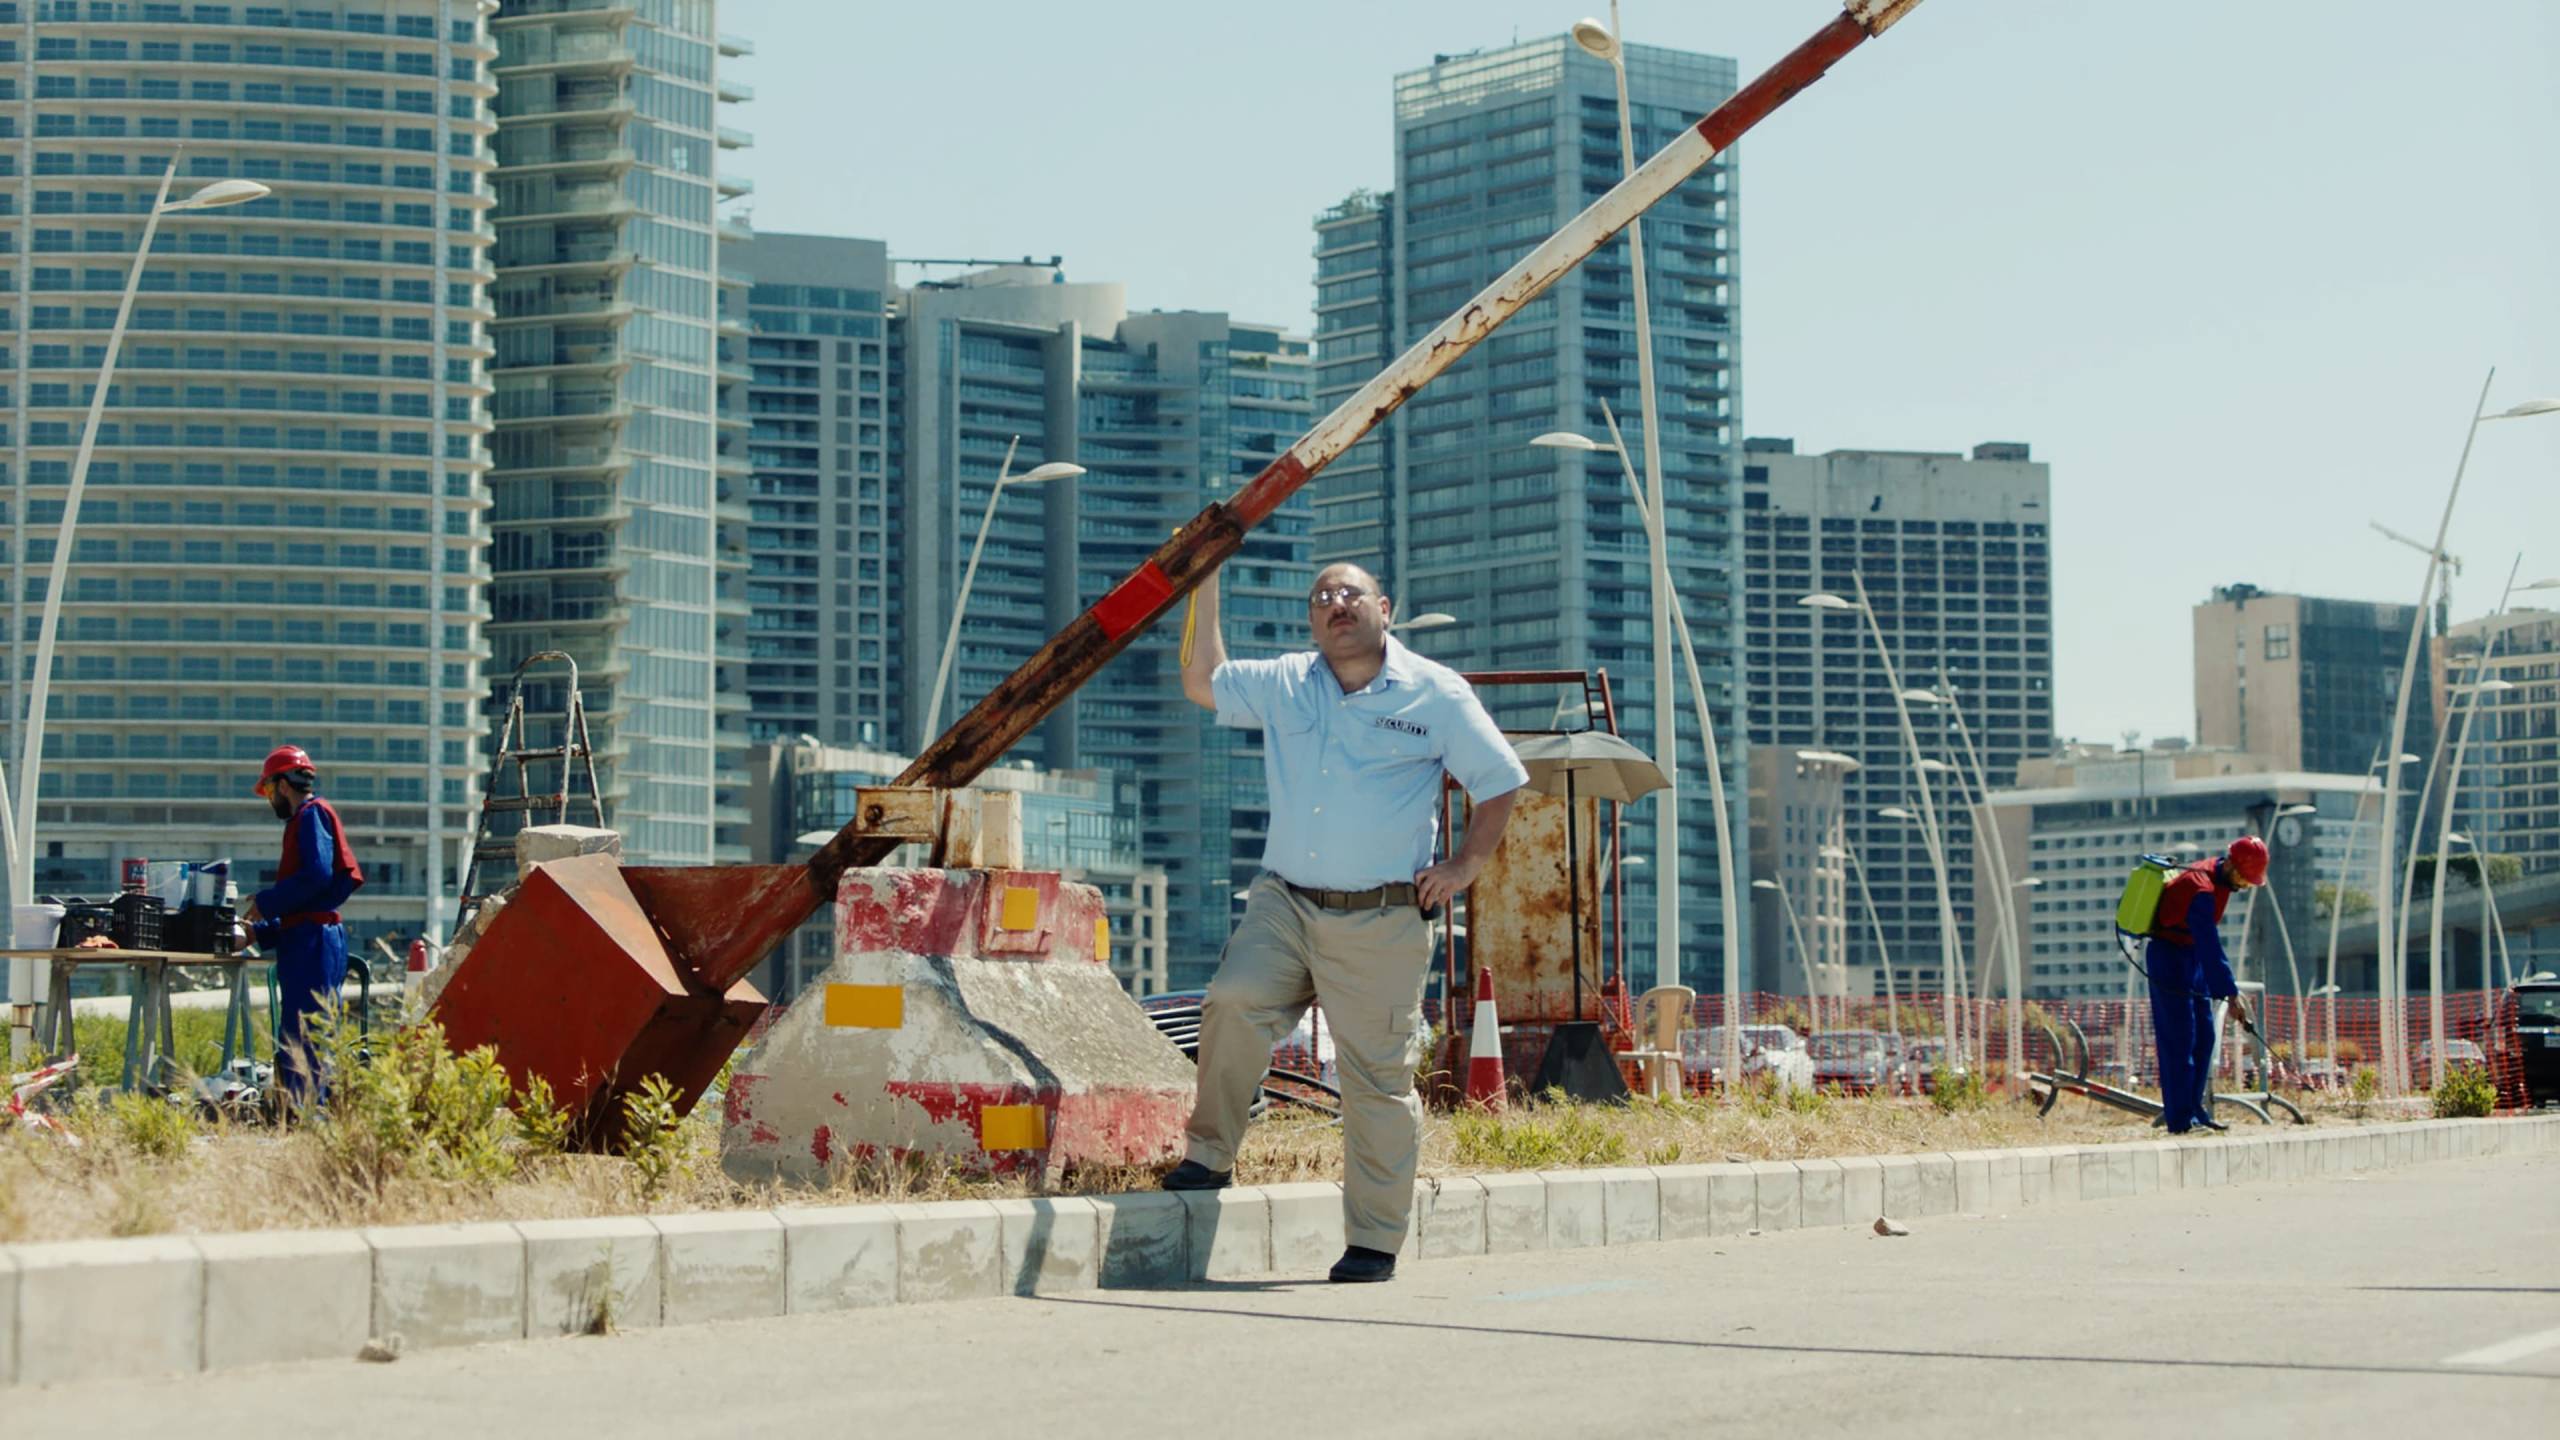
[1219, 1183]
[1338, 1278]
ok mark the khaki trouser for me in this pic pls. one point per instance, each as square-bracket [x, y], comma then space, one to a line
[1366, 968]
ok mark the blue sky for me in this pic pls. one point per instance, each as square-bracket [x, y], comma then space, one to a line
[2236, 270]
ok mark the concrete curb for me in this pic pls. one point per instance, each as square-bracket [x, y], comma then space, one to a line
[91, 1309]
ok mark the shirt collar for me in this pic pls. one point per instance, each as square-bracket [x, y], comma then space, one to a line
[1397, 669]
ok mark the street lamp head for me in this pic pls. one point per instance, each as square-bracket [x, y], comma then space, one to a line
[1428, 620]
[1926, 697]
[1896, 812]
[1825, 600]
[219, 194]
[2032, 882]
[2299, 810]
[2405, 758]
[2543, 406]
[1764, 884]
[1633, 860]
[2456, 837]
[1832, 852]
[1933, 767]
[1054, 470]
[2492, 687]
[1567, 440]
[1595, 39]
[2550, 582]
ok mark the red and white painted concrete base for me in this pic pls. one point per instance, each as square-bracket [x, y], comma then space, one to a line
[97, 1309]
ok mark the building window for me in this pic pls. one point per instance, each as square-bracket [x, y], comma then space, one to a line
[2279, 642]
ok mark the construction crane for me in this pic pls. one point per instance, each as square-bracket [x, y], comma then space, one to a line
[2451, 567]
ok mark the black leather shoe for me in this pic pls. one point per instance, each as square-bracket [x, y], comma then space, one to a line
[1361, 1265]
[1192, 1175]
[2210, 1123]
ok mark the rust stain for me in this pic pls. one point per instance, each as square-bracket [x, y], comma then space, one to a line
[1520, 912]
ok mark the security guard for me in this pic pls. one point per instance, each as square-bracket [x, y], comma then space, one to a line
[1357, 734]
[2189, 971]
[296, 919]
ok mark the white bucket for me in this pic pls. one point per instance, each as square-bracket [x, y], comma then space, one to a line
[36, 927]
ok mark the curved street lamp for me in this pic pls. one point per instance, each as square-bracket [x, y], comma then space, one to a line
[20, 849]
[1054, 470]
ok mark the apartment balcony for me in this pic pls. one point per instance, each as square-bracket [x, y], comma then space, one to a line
[733, 138]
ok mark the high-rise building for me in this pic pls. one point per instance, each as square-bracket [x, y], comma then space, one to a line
[1539, 552]
[619, 536]
[2509, 801]
[1165, 412]
[282, 533]
[1957, 564]
[2309, 683]
[822, 627]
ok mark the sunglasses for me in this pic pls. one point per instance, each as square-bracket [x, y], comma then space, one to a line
[1331, 594]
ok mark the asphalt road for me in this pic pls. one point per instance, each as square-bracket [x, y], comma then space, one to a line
[2423, 1301]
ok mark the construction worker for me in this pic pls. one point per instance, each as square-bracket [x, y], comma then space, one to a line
[2189, 972]
[296, 918]
[1357, 734]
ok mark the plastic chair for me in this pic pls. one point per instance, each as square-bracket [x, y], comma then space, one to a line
[1660, 1014]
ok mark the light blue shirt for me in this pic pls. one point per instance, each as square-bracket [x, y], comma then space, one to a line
[1355, 778]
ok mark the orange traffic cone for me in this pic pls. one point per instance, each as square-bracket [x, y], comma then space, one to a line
[1484, 1049]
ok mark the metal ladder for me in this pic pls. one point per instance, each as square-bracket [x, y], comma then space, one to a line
[573, 754]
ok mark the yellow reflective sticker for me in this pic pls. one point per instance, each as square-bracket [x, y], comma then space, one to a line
[1013, 1127]
[1021, 909]
[866, 1007]
[1102, 938]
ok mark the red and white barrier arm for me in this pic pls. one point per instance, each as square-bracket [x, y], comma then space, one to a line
[1024, 698]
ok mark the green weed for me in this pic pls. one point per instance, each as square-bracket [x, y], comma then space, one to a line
[2467, 1091]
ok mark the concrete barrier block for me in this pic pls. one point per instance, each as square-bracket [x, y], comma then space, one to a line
[1937, 1184]
[2035, 1176]
[2333, 1154]
[2119, 1169]
[721, 1266]
[8, 1319]
[2007, 1190]
[1630, 1205]
[1685, 1196]
[950, 1250]
[1901, 1184]
[583, 1277]
[285, 1295]
[1230, 1233]
[1973, 1181]
[1145, 1238]
[1306, 1226]
[2217, 1164]
[838, 1257]
[2259, 1159]
[90, 1309]
[1052, 1244]
[1824, 1193]
[1778, 1187]
[1449, 1217]
[1577, 1215]
[448, 1284]
[1862, 1189]
[1733, 1198]
[1515, 1213]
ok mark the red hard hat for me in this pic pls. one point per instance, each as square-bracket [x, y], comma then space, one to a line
[2248, 856]
[280, 760]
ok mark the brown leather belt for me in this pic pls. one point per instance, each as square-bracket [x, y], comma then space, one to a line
[1381, 898]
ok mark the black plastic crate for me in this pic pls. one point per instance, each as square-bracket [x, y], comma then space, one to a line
[199, 930]
[137, 924]
[79, 922]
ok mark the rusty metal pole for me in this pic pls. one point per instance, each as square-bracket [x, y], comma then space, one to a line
[726, 920]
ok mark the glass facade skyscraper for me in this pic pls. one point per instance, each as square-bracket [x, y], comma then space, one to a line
[282, 534]
[1539, 552]
[822, 609]
[619, 519]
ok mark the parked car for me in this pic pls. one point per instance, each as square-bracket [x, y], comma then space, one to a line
[2456, 1053]
[1773, 1050]
[1857, 1060]
[2538, 1040]
[1927, 1056]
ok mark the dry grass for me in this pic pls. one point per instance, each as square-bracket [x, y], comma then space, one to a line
[128, 1176]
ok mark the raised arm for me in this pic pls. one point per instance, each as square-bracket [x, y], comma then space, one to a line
[1208, 648]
